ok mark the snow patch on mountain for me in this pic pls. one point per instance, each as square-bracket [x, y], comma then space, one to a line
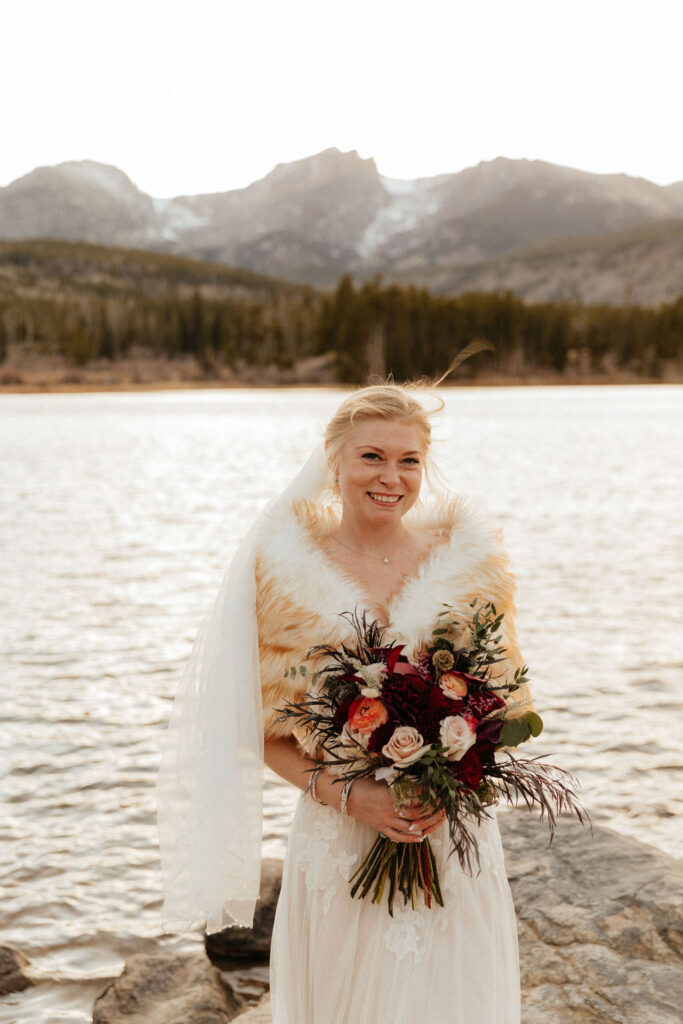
[408, 204]
[174, 217]
[398, 186]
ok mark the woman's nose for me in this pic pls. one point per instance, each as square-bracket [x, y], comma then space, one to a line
[389, 475]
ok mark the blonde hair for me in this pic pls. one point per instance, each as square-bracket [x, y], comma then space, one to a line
[379, 401]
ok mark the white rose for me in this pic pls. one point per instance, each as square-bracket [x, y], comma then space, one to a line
[405, 746]
[457, 735]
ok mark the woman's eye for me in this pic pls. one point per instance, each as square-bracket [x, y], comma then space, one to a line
[370, 455]
[414, 462]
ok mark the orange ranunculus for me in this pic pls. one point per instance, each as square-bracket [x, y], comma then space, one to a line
[366, 713]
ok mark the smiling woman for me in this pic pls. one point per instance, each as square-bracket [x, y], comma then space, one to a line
[378, 547]
[352, 533]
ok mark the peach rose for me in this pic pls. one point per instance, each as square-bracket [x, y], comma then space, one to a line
[458, 735]
[405, 746]
[453, 685]
[366, 713]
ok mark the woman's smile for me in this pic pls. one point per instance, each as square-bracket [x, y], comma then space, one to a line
[385, 499]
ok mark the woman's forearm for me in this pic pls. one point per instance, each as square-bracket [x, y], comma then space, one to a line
[368, 801]
[285, 757]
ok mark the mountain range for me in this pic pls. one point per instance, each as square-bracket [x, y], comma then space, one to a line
[544, 231]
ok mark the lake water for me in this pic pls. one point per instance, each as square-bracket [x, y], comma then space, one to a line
[118, 514]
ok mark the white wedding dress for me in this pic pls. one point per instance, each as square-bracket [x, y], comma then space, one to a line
[338, 960]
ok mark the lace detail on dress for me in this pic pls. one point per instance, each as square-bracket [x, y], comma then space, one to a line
[403, 934]
[319, 854]
[490, 860]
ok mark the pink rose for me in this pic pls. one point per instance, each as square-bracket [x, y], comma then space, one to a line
[453, 684]
[366, 713]
[458, 735]
[405, 746]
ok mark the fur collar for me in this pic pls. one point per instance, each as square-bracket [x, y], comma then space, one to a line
[468, 562]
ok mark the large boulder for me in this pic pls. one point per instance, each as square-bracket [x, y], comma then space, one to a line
[13, 965]
[259, 1014]
[600, 924]
[235, 945]
[167, 988]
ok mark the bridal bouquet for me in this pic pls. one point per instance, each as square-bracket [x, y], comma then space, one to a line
[430, 729]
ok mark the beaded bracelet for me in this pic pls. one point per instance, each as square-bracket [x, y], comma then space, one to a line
[345, 795]
[311, 786]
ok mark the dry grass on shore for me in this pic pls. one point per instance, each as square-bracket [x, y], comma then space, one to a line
[49, 374]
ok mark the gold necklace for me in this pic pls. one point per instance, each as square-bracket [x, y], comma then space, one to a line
[363, 554]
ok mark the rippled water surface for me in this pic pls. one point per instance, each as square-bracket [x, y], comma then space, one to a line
[118, 514]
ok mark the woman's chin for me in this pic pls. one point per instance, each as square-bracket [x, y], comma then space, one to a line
[377, 512]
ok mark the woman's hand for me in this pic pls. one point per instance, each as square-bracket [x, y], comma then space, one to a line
[369, 801]
[372, 803]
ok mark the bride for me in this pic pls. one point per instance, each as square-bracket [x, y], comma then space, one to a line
[353, 531]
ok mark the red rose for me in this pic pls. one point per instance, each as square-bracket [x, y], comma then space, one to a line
[468, 769]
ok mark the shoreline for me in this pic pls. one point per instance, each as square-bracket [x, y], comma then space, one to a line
[31, 372]
[95, 386]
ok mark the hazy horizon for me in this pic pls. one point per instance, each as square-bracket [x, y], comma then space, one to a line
[211, 96]
[310, 155]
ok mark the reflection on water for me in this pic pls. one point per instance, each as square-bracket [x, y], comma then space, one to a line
[118, 514]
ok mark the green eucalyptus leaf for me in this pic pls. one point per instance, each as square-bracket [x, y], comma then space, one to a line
[535, 723]
[514, 732]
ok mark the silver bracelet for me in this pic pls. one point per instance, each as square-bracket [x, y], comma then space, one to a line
[311, 786]
[345, 795]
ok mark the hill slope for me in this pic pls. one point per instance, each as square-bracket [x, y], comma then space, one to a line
[641, 265]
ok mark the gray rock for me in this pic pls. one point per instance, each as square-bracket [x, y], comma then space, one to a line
[12, 976]
[600, 924]
[234, 945]
[257, 1014]
[167, 988]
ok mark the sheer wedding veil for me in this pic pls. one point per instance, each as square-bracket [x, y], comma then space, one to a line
[210, 782]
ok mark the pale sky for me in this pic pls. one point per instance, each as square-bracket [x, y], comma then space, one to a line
[208, 95]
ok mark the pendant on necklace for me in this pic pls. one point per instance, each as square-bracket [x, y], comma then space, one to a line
[386, 559]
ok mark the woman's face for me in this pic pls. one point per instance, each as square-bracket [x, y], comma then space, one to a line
[380, 470]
